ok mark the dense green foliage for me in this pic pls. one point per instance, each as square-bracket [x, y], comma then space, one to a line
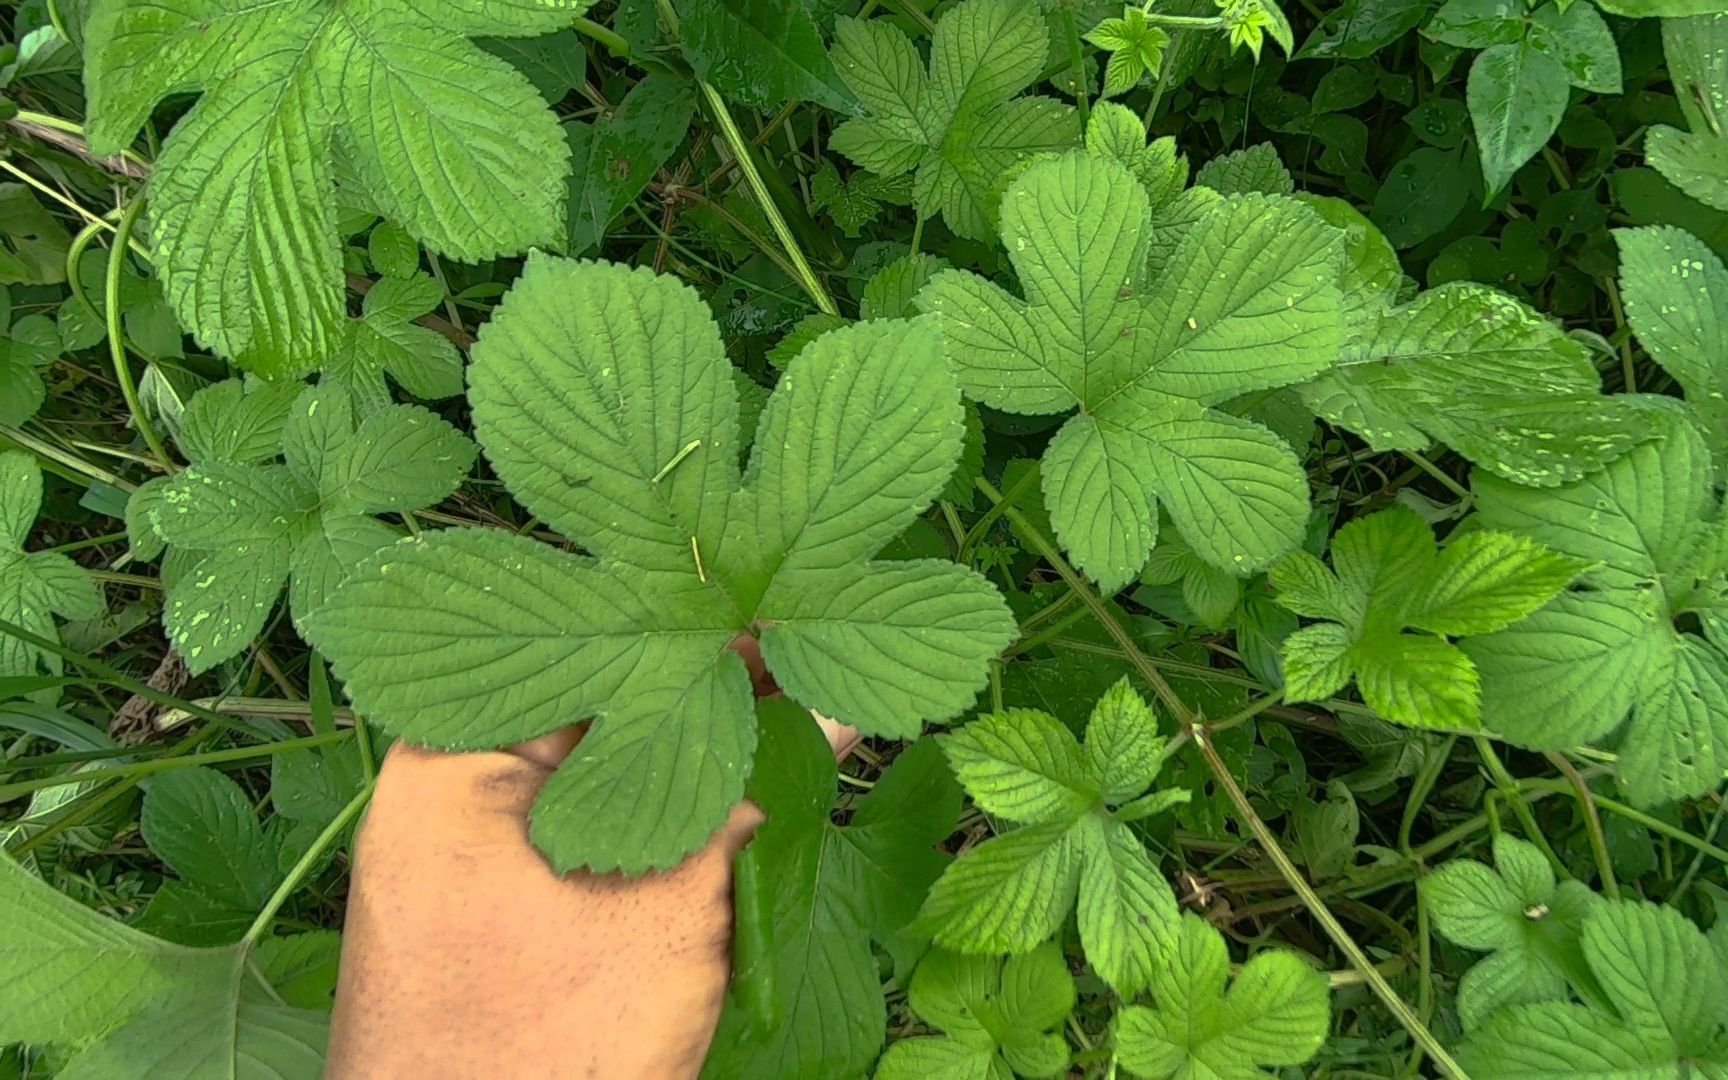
[1253, 476]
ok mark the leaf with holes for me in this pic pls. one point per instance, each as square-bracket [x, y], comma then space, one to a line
[604, 401]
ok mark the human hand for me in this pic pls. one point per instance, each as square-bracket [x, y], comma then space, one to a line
[465, 955]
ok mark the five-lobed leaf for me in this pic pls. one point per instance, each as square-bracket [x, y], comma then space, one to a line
[956, 124]
[249, 527]
[1276, 1012]
[1387, 575]
[603, 399]
[1248, 300]
[1515, 912]
[242, 195]
[1012, 892]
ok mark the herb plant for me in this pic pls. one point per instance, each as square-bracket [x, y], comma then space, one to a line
[1261, 508]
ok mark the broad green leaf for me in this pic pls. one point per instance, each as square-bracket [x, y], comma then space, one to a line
[1611, 656]
[123, 1004]
[1013, 891]
[1247, 301]
[615, 158]
[1694, 162]
[1470, 367]
[1022, 765]
[857, 202]
[761, 53]
[1581, 42]
[1276, 1013]
[242, 195]
[1663, 1014]
[1516, 94]
[1515, 913]
[1666, 9]
[1115, 131]
[956, 123]
[202, 825]
[1676, 296]
[997, 1014]
[831, 890]
[604, 401]
[1477, 24]
[1255, 169]
[252, 527]
[35, 587]
[1389, 576]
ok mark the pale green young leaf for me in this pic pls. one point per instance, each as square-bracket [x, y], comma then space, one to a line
[1516, 94]
[480, 174]
[1126, 911]
[1486, 581]
[34, 587]
[1009, 893]
[1389, 577]
[1515, 912]
[997, 1014]
[1676, 296]
[1123, 748]
[1470, 367]
[605, 402]
[833, 888]
[1023, 765]
[1662, 1015]
[1247, 301]
[1611, 657]
[1317, 662]
[1276, 1013]
[957, 123]
[123, 1004]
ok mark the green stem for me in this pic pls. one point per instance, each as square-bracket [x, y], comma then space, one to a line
[1420, 788]
[1195, 22]
[69, 462]
[156, 765]
[1435, 471]
[1321, 913]
[1509, 790]
[614, 42]
[1592, 824]
[1655, 825]
[303, 867]
[116, 336]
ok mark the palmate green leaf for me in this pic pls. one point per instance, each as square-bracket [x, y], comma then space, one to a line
[956, 124]
[1013, 892]
[123, 1004]
[251, 527]
[829, 890]
[35, 586]
[997, 1015]
[242, 195]
[1663, 1014]
[1610, 656]
[604, 401]
[1247, 301]
[1276, 1013]
[1676, 295]
[385, 341]
[1470, 367]
[1516, 913]
[1390, 576]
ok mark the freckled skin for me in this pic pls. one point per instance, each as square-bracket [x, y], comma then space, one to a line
[464, 955]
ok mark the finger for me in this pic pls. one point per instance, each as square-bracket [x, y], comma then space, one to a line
[549, 751]
[748, 647]
[842, 739]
